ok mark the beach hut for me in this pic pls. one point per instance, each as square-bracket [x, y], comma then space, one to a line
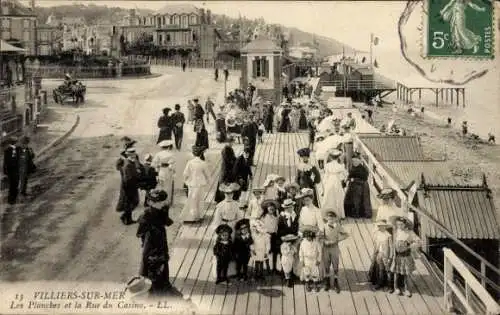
[462, 205]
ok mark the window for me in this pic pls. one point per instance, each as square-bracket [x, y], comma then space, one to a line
[184, 21]
[168, 37]
[177, 20]
[26, 36]
[5, 23]
[26, 23]
[260, 67]
[193, 19]
[164, 20]
[160, 39]
[159, 22]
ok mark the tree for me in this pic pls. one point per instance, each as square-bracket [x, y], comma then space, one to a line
[143, 45]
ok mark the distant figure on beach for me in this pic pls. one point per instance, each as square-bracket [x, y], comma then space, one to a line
[465, 128]
[491, 138]
[461, 37]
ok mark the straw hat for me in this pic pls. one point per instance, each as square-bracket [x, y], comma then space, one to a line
[288, 203]
[386, 193]
[383, 223]
[270, 178]
[138, 285]
[335, 153]
[305, 192]
[309, 230]
[229, 188]
[405, 220]
[289, 238]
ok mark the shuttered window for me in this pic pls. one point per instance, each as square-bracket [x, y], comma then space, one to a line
[260, 66]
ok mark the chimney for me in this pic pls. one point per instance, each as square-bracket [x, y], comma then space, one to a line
[209, 17]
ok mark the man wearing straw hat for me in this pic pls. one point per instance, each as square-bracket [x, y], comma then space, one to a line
[164, 163]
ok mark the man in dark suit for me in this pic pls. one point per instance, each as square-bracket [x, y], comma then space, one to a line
[178, 120]
[250, 130]
[11, 169]
[26, 163]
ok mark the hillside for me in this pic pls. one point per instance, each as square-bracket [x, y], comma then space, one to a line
[94, 14]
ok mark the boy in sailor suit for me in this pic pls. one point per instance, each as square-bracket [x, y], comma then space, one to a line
[310, 215]
[333, 234]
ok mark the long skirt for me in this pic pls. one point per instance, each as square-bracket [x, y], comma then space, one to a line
[302, 122]
[357, 203]
[165, 134]
[378, 272]
[167, 184]
[331, 192]
[128, 200]
[193, 211]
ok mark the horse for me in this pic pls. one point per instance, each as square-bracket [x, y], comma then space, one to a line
[76, 91]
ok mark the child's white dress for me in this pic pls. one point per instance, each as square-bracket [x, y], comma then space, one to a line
[261, 246]
[310, 257]
[288, 251]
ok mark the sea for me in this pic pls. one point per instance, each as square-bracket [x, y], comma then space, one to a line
[482, 95]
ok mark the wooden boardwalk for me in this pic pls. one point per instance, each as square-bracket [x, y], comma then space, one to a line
[191, 263]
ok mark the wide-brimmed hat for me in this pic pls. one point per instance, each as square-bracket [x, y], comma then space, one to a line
[223, 228]
[305, 192]
[289, 238]
[130, 151]
[309, 230]
[270, 178]
[138, 285]
[293, 185]
[335, 152]
[157, 195]
[326, 212]
[382, 223]
[229, 188]
[241, 224]
[386, 193]
[288, 203]
[304, 152]
[166, 143]
[279, 177]
[395, 218]
[269, 202]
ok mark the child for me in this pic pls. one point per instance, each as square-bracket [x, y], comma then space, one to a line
[379, 273]
[260, 130]
[288, 251]
[387, 208]
[254, 202]
[223, 252]
[148, 177]
[310, 258]
[280, 188]
[270, 190]
[334, 233]
[260, 248]
[309, 214]
[292, 190]
[269, 219]
[228, 211]
[242, 243]
[405, 242]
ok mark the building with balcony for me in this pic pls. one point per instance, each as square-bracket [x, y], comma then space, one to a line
[176, 29]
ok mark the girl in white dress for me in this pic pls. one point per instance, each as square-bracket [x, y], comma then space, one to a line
[333, 192]
[387, 208]
[196, 178]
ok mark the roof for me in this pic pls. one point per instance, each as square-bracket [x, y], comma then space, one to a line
[394, 148]
[467, 213]
[364, 71]
[178, 8]
[17, 8]
[6, 47]
[418, 81]
[261, 44]
[436, 173]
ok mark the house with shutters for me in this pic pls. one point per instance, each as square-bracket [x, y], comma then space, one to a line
[261, 66]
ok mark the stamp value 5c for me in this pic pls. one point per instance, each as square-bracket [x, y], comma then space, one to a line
[459, 28]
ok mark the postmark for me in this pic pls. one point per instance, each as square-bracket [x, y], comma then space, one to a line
[459, 29]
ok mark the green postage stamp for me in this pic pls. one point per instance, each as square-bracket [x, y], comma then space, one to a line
[459, 28]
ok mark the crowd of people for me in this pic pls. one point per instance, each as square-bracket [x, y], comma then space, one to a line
[289, 228]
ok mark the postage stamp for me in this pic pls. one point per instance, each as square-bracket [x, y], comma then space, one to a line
[459, 28]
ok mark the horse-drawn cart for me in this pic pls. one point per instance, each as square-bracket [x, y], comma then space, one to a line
[74, 90]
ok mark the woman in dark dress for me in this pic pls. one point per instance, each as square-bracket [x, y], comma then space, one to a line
[201, 135]
[227, 172]
[308, 175]
[220, 128]
[285, 125]
[302, 120]
[166, 125]
[269, 118]
[357, 202]
[152, 232]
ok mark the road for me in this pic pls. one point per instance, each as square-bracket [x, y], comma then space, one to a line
[68, 230]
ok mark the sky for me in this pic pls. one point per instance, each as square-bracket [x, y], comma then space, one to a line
[350, 22]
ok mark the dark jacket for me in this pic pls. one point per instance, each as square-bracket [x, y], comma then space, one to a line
[241, 247]
[11, 161]
[147, 179]
[198, 112]
[250, 131]
[178, 117]
[242, 171]
[285, 229]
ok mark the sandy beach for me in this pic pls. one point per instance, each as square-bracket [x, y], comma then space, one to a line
[440, 141]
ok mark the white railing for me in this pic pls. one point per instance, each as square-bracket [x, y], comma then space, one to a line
[473, 289]
[195, 63]
[356, 85]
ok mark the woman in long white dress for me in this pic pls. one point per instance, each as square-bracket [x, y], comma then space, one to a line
[164, 163]
[333, 192]
[196, 178]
